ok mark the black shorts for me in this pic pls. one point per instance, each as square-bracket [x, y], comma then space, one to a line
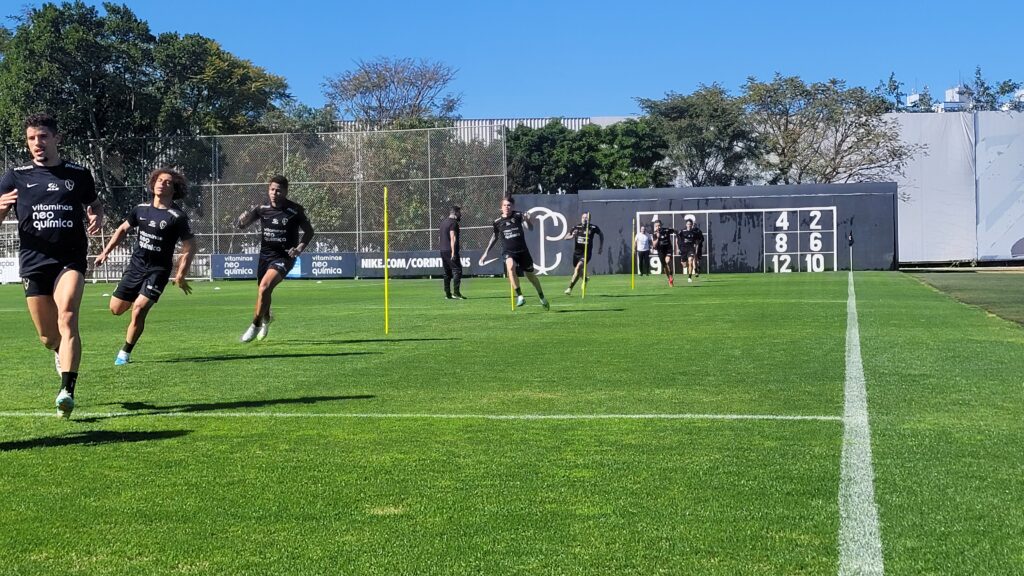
[690, 252]
[577, 257]
[282, 265]
[662, 254]
[523, 261]
[136, 280]
[43, 280]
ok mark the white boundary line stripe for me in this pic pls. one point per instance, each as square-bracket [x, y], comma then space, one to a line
[860, 541]
[214, 414]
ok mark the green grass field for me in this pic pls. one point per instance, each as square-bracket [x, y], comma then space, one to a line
[478, 440]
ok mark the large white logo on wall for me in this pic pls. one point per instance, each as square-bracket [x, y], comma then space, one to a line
[541, 215]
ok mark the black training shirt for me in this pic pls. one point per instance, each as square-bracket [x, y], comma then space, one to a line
[51, 212]
[579, 232]
[280, 227]
[449, 225]
[663, 239]
[510, 230]
[159, 231]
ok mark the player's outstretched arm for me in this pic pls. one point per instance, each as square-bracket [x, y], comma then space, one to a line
[307, 237]
[115, 239]
[600, 240]
[246, 218]
[94, 212]
[188, 251]
[527, 220]
[7, 201]
[490, 244]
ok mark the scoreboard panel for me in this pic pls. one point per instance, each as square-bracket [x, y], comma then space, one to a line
[779, 240]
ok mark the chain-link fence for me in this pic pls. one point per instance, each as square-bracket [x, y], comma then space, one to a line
[338, 177]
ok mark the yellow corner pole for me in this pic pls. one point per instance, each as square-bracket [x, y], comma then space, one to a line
[586, 246]
[632, 263]
[386, 260]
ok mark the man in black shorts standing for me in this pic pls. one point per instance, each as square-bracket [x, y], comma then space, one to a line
[51, 197]
[161, 224]
[450, 244]
[583, 234]
[665, 243]
[509, 227]
[690, 241]
[280, 221]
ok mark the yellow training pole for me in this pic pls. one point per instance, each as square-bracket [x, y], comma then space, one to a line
[632, 263]
[385, 259]
[586, 245]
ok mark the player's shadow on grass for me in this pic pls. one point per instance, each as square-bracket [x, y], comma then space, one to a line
[367, 341]
[216, 406]
[629, 295]
[578, 310]
[257, 356]
[92, 438]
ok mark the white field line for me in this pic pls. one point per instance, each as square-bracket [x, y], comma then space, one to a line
[860, 541]
[386, 416]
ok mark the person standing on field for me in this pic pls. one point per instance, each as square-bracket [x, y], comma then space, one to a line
[450, 244]
[509, 227]
[280, 220]
[642, 243]
[161, 224]
[52, 198]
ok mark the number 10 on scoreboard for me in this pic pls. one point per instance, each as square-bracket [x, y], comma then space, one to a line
[800, 240]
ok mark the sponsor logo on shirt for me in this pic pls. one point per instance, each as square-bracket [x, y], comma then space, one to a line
[52, 187]
[70, 184]
[163, 224]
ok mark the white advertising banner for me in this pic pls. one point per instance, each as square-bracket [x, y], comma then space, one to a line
[9, 270]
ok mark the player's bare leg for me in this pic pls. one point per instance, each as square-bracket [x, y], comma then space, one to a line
[540, 291]
[67, 296]
[510, 270]
[261, 315]
[576, 273]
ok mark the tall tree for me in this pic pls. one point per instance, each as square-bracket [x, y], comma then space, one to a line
[204, 89]
[892, 92]
[924, 102]
[823, 132]
[632, 156]
[709, 141]
[988, 97]
[113, 84]
[388, 91]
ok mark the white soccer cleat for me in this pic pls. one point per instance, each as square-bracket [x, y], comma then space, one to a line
[689, 280]
[249, 334]
[65, 404]
[261, 333]
[568, 292]
[545, 304]
[520, 301]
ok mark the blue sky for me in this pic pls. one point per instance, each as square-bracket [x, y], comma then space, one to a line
[534, 58]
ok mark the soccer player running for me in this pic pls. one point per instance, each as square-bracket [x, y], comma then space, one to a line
[509, 227]
[690, 240]
[161, 224]
[664, 243]
[280, 221]
[450, 244]
[51, 197]
[583, 234]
